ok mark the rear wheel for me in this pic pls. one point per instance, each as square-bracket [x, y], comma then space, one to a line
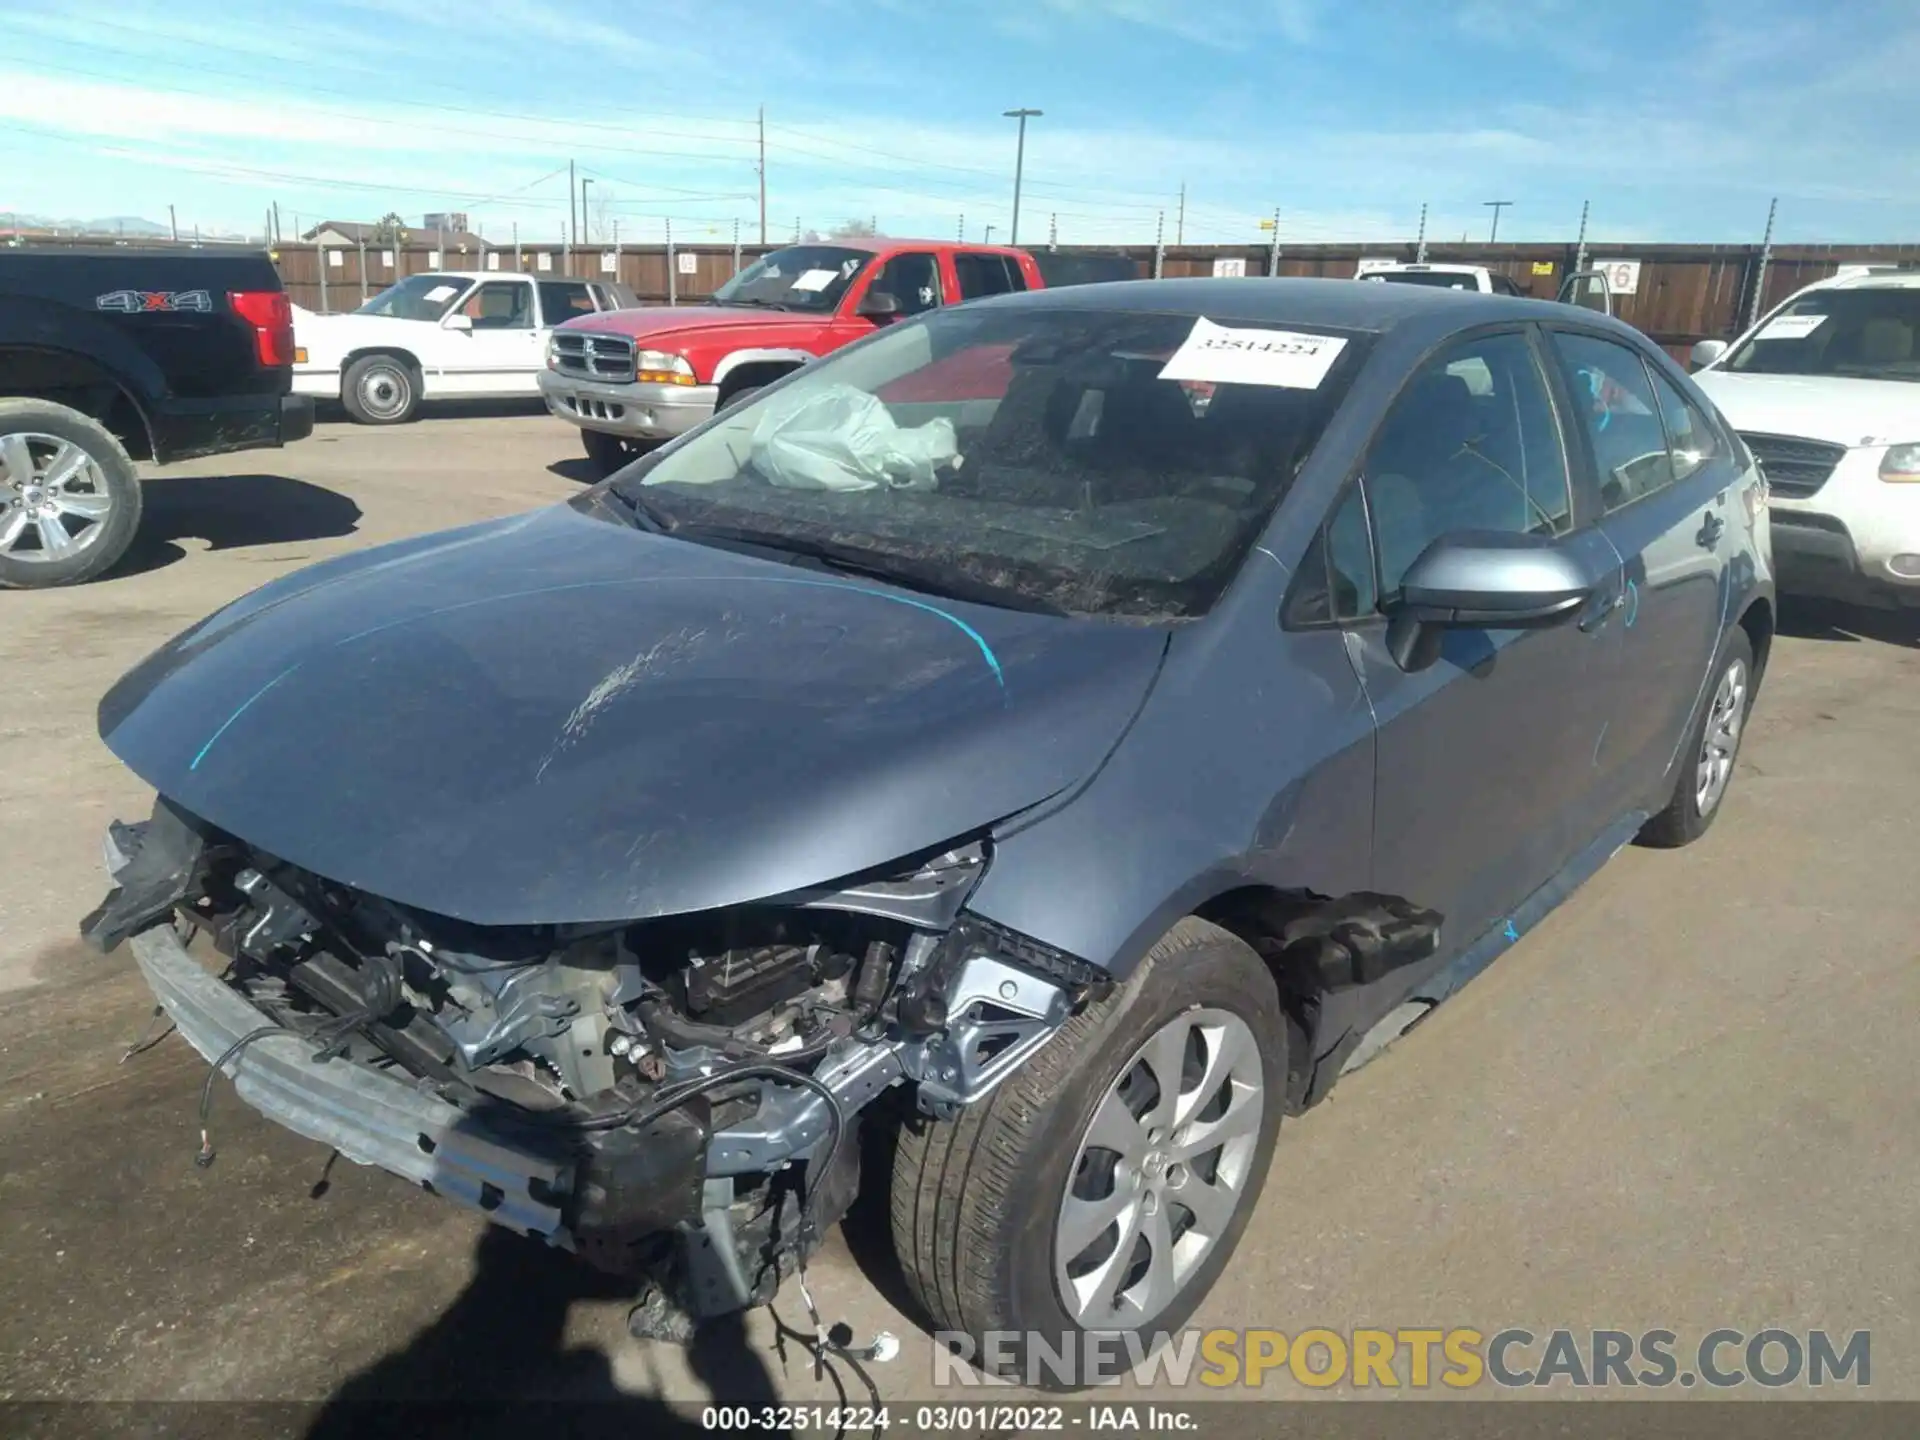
[69, 496]
[380, 390]
[1706, 770]
[1103, 1186]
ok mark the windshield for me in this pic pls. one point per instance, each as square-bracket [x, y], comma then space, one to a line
[800, 277]
[1867, 334]
[418, 297]
[1029, 457]
[1440, 279]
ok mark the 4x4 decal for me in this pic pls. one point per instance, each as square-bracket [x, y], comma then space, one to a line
[133, 302]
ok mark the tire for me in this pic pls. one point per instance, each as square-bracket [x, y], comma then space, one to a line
[73, 475]
[1691, 810]
[978, 1201]
[608, 453]
[381, 390]
[735, 396]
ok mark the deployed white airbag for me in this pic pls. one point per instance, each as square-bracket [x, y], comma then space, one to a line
[840, 438]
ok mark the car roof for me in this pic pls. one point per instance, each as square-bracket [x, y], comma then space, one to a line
[1873, 280]
[874, 243]
[1334, 304]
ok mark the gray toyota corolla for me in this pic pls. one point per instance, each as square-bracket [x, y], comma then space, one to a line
[1056, 737]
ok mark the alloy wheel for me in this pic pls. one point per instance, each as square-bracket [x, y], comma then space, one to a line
[1722, 738]
[1161, 1172]
[54, 500]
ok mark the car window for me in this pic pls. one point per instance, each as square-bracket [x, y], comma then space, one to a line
[1691, 439]
[1036, 454]
[1614, 400]
[563, 299]
[1336, 574]
[987, 275]
[418, 297]
[500, 305]
[1453, 456]
[913, 279]
[1871, 333]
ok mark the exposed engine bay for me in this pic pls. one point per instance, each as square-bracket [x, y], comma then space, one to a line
[695, 1081]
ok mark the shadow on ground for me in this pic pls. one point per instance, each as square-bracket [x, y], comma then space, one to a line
[231, 512]
[499, 1358]
[577, 468]
[1830, 620]
[497, 407]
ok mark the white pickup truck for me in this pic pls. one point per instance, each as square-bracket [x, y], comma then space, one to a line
[440, 335]
[1440, 277]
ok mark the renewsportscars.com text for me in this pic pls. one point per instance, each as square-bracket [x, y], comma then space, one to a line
[1416, 1358]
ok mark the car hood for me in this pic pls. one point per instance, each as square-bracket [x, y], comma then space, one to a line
[317, 333]
[1837, 409]
[559, 718]
[662, 321]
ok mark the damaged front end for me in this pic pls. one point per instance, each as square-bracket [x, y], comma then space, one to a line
[675, 1098]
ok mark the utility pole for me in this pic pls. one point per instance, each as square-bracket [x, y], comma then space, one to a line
[1496, 206]
[1180, 225]
[173, 225]
[1273, 246]
[1420, 245]
[1053, 232]
[516, 247]
[320, 254]
[586, 222]
[1580, 246]
[1159, 242]
[1766, 256]
[363, 269]
[762, 168]
[267, 233]
[987, 237]
[673, 270]
[572, 226]
[278, 235]
[1019, 165]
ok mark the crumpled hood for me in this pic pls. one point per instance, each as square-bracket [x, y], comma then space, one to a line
[1837, 409]
[647, 322]
[558, 718]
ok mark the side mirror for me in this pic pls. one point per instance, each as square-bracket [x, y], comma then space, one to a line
[457, 321]
[879, 305]
[1481, 580]
[1706, 352]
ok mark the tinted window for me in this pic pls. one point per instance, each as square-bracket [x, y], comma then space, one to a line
[1471, 444]
[1336, 574]
[1029, 455]
[913, 280]
[1614, 400]
[987, 275]
[1691, 439]
[500, 305]
[563, 299]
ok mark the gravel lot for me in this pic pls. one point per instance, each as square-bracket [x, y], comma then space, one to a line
[1687, 1101]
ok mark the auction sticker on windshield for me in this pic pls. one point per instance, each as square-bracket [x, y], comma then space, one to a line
[814, 279]
[1792, 327]
[1229, 356]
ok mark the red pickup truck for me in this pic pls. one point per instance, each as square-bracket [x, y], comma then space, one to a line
[629, 378]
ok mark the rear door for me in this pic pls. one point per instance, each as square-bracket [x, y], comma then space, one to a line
[1484, 783]
[1665, 476]
[981, 275]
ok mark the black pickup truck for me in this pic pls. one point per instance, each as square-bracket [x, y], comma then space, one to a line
[118, 354]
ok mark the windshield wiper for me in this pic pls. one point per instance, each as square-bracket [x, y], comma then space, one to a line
[846, 560]
[644, 513]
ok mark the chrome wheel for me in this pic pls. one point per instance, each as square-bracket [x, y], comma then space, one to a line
[1717, 747]
[1161, 1172]
[384, 392]
[54, 500]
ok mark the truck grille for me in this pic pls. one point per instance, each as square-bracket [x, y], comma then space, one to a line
[592, 356]
[1795, 468]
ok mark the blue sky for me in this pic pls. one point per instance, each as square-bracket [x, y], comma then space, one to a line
[1677, 119]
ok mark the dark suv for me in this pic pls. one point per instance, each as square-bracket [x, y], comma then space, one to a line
[1064, 731]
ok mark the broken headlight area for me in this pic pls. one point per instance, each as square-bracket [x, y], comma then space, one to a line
[679, 1094]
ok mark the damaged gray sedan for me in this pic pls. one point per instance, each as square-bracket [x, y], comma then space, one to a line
[1056, 736]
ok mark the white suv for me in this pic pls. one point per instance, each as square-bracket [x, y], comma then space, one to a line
[1826, 392]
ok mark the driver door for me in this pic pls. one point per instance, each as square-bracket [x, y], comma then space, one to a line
[502, 353]
[1484, 781]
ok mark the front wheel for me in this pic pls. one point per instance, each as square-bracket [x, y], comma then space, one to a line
[608, 453]
[1104, 1186]
[69, 496]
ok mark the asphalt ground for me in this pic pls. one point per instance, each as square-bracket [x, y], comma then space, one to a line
[1686, 1101]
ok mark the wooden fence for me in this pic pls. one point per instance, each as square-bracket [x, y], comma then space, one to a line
[1684, 292]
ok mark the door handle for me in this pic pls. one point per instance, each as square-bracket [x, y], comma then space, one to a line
[1599, 609]
[1710, 528]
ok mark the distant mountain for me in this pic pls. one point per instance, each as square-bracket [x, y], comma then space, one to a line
[110, 225]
